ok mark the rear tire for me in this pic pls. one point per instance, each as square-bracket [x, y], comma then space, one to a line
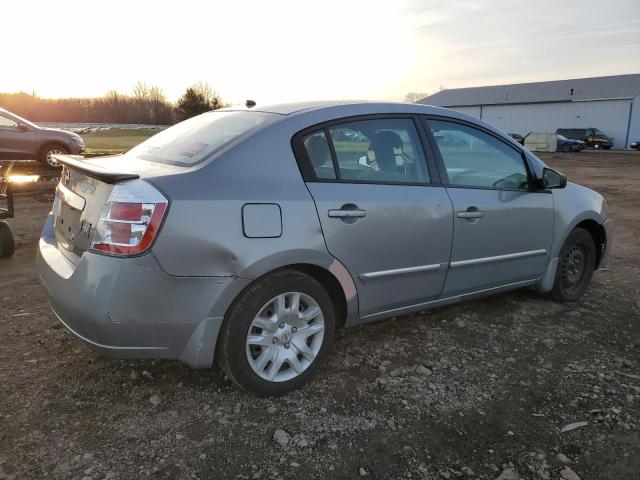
[46, 154]
[276, 334]
[7, 244]
[566, 148]
[576, 263]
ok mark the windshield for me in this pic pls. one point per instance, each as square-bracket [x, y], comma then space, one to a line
[192, 141]
[562, 137]
[19, 118]
[598, 133]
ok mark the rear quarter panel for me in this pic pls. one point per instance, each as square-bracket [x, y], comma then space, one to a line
[203, 234]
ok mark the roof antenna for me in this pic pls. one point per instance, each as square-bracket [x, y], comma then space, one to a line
[250, 103]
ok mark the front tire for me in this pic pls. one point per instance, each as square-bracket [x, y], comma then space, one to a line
[277, 333]
[566, 148]
[7, 244]
[47, 153]
[576, 263]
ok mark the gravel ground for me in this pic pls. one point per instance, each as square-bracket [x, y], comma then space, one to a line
[513, 386]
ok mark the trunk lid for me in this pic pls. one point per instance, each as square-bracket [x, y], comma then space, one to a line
[83, 192]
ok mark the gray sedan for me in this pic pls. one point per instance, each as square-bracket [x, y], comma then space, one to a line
[247, 236]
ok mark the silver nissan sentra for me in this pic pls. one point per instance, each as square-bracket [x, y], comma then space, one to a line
[247, 236]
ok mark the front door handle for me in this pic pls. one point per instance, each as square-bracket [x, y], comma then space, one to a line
[341, 213]
[470, 214]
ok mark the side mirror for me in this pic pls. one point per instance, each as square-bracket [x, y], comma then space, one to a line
[23, 128]
[553, 179]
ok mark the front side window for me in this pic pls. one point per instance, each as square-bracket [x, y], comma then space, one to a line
[381, 150]
[473, 158]
[7, 122]
[193, 140]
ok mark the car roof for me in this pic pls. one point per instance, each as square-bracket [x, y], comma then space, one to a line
[303, 115]
[299, 107]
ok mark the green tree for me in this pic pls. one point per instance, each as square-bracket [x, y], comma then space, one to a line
[197, 99]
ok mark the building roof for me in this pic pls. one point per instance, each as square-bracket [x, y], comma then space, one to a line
[579, 89]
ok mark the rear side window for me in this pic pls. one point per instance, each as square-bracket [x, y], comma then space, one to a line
[319, 153]
[381, 150]
[473, 158]
[367, 151]
[192, 141]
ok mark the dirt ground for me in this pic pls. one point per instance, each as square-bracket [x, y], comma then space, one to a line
[477, 390]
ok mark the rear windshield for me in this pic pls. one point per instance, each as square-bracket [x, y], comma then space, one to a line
[195, 139]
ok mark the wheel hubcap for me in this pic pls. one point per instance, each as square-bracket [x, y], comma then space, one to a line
[285, 337]
[50, 160]
[574, 267]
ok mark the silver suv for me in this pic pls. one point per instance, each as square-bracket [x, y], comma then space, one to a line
[249, 236]
[19, 138]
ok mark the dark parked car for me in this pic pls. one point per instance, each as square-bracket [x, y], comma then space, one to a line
[635, 145]
[19, 138]
[517, 137]
[568, 145]
[591, 136]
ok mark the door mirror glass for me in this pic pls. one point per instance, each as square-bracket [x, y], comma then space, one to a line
[553, 179]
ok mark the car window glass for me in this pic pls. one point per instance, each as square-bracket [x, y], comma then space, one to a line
[381, 150]
[319, 154]
[476, 159]
[7, 122]
[192, 141]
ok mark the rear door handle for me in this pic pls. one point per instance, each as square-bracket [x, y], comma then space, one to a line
[347, 213]
[472, 214]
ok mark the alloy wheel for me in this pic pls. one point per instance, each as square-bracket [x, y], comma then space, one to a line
[574, 267]
[285, 337]
[49, 157]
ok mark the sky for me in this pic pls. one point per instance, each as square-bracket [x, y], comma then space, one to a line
[278, 51]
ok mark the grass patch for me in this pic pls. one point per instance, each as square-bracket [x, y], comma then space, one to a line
[115, 140]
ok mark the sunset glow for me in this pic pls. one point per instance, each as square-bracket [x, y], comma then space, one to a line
[292, 50]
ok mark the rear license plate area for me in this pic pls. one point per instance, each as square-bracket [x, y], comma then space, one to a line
[67, 221]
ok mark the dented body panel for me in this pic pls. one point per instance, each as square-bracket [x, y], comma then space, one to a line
[214, 242]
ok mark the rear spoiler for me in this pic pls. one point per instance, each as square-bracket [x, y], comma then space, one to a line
[78, 163]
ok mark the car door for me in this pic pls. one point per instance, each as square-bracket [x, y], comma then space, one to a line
[502, 226]
[381, 208]
[15, 140]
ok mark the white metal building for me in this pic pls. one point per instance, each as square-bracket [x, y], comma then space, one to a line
[611, 104]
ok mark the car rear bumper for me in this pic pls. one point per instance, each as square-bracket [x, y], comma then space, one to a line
[130, 308]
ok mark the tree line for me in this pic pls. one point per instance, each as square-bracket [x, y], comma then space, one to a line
[144, 105]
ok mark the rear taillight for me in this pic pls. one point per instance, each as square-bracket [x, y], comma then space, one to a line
[130, 220]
